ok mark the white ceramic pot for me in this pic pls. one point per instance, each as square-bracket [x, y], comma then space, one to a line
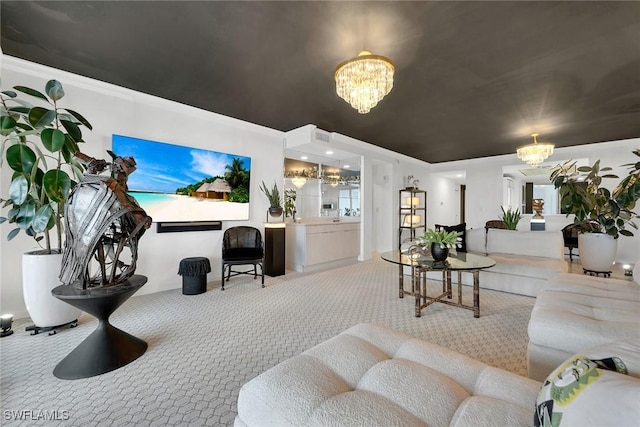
[39, 275]
[597, 251]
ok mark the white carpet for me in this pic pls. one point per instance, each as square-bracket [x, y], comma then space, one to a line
[202, 348]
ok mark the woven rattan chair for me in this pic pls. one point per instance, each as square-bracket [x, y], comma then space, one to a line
[242, 245]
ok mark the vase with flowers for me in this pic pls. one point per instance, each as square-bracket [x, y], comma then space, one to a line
[438, 242]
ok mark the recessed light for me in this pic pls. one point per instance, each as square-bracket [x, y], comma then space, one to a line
[459, 175]
[328, 152]
[304, 157]
[346, 166]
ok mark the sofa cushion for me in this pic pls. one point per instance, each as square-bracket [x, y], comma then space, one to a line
[373, 375]
[549, 244]
[518, 265]
[461, 228]
[601, 287]
[596, 387]
[574, 312]
[476, 240]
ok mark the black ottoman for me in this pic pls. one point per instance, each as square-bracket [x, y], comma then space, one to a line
[194, 275]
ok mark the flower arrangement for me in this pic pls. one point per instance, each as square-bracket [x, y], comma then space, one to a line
[446, 239]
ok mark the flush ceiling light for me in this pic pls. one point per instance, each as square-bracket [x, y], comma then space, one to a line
[536, 153]
[364, 80]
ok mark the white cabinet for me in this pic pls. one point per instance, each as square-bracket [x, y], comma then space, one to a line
[320, 245]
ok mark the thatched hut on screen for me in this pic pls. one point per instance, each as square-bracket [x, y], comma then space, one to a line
[216, 190]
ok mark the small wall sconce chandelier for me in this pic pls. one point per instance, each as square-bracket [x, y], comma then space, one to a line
[536, 153]
[5, 324]
[364, 80]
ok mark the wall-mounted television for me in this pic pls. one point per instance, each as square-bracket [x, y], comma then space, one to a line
[175, 183]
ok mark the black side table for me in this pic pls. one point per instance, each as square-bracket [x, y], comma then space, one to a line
[107, 348]
[194, 275]
[274, 248]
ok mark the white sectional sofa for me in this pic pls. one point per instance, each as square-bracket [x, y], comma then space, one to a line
[524, 259]
[373, 376]
[574, 312]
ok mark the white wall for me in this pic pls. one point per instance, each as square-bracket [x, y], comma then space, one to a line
[443, 201]
[112, 109]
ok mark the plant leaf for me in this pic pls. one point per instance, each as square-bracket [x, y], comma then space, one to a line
[54, 90]
[40, 117]
[31, 92]
[56, 184]
[79, 117]
[13, 233]
[72, 129]
[41, 219]
[19, 189]
[21, 158]
[52, 139]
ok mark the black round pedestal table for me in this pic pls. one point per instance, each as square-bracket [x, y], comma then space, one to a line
[107, 348]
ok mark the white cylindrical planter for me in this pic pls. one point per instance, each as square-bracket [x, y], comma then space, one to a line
[597, 251]
[39, 275]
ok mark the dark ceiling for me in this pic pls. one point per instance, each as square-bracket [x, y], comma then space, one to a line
[473, 79]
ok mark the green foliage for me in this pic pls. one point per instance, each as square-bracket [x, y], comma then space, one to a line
[38, 144]
[237, 175]
[289, 201]
[239, 195]
[595, 207]
[273, 195]
[510, 218]
[441, 236]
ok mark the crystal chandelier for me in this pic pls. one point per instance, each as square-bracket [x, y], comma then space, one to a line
[364, 80]
[536, 153]
[298, 181]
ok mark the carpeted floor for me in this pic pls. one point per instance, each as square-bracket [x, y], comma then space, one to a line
[202, 348]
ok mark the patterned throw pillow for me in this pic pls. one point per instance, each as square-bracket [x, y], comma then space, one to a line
[590, 389]
[462, 242]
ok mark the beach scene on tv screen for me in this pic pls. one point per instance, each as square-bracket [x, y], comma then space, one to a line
[175, 183]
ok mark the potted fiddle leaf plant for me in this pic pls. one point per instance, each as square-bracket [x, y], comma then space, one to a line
[603, 215]
[38, 145]
[510, 218]
[275, 202]
[438, 242]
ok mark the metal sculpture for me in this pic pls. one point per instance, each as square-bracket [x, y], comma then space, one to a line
[102, 225]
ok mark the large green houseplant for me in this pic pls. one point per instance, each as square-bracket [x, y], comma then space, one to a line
[609, 213]
[38, 145]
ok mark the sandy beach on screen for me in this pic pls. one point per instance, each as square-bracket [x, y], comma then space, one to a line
[184, 208]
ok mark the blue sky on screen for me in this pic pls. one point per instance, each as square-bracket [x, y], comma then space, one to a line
[162, 167]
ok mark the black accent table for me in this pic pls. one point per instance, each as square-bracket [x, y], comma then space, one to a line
[194, 275]
[107, 348]
[274, 247]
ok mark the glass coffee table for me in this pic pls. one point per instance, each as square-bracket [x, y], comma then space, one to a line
[421, 264]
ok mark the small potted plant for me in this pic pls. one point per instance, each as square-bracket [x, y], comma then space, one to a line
[290, 203]
[438, 242]
[510, 218]
[275, 202]
[602, 215]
